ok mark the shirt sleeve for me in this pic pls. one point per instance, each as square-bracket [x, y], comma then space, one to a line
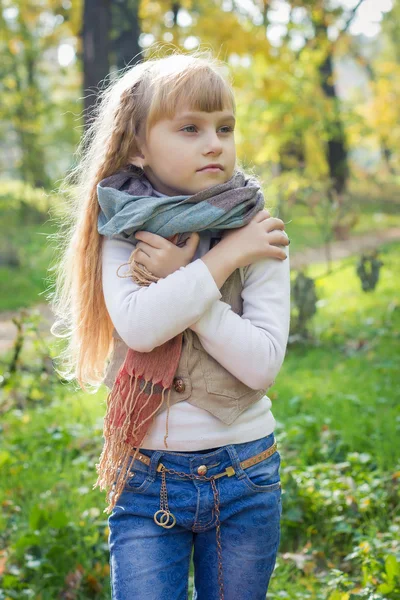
[252, 346]
[147, 317]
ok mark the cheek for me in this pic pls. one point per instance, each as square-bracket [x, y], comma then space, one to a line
[176, 156]
[171, 150]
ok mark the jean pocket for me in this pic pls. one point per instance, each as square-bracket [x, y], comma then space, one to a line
[139, 478]
[265, 475]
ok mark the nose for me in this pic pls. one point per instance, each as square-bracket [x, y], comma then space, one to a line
[213, 144]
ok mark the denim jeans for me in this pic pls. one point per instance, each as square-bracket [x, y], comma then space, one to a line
[149, 562]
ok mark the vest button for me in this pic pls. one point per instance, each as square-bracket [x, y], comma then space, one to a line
[202, 470]
[179, 385]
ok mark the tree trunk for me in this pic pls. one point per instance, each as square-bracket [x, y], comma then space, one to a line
[336, 147]
[337, 150]
[126, 30]
[96, 46]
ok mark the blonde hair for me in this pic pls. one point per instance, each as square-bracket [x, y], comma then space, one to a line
[125, 109]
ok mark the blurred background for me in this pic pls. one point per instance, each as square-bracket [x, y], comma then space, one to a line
[317, 85]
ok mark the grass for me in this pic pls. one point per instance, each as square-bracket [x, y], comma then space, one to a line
[374, 216]
[346, 379]
[337, 411]
[24, 286]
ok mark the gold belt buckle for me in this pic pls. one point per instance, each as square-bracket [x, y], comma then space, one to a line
[228, 471]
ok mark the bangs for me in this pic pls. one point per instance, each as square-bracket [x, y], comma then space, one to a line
[197, 88]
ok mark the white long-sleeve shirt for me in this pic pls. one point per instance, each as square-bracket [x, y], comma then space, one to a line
[251, 346]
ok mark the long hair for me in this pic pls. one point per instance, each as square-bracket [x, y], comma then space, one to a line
[127, 107]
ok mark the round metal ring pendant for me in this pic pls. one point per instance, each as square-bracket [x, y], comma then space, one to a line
[164, 519]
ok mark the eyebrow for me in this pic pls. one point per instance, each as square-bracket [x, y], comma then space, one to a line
[188, 115]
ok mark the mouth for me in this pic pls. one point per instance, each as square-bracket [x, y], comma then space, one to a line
[212, 168]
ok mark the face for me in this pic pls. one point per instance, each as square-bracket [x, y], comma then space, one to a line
[177, 150]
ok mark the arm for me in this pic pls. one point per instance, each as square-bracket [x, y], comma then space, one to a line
[252, 346]
[146, 317]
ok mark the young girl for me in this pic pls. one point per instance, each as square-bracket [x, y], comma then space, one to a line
[176, 279]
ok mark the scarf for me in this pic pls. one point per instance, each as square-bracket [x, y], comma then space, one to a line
[128, 204]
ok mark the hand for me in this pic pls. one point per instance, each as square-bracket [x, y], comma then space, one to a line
[260, 238]
[161, 256]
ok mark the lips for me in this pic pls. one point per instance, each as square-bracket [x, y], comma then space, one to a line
[212, 166]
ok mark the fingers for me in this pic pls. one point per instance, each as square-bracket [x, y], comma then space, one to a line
[140, 254]
[194, 238]
[278, 238]
[277, 252]
[152, 239]
[262, 215]
[274, 223]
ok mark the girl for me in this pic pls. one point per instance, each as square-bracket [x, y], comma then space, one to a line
[193, 333]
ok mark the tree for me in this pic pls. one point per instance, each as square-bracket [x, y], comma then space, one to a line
[95, 48]
[126, 30]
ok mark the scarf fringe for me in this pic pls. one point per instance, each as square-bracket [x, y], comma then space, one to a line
[123, 431]
[114, 464]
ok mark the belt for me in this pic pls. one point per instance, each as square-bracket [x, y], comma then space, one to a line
[166, 514]
[249, 462]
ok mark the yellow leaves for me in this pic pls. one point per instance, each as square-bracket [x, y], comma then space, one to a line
[15, 46]
[387, 68]
[9, 82]
[365, 547]
[364, 504]
[187, 4]
[102, 570]
[268, 151]
[150, 10]
[336, 595]
[382, 110]
[315, 156]
[276, 89]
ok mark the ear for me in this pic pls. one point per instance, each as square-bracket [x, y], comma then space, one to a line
[138, 160]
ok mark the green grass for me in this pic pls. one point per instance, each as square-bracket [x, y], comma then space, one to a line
[374, 216]
[350, 390]
[23, 286]
[338, 421]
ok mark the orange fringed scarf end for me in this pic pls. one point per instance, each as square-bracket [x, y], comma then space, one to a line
[131, 411]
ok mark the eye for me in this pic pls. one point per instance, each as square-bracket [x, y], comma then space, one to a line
[228, 128]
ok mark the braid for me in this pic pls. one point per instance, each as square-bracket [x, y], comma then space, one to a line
[122, 138]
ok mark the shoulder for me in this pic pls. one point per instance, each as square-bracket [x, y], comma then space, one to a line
[266, 270]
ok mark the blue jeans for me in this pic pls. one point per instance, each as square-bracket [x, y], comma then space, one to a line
[149, 562]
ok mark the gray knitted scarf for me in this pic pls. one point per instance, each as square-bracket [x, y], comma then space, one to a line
[128, 204]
